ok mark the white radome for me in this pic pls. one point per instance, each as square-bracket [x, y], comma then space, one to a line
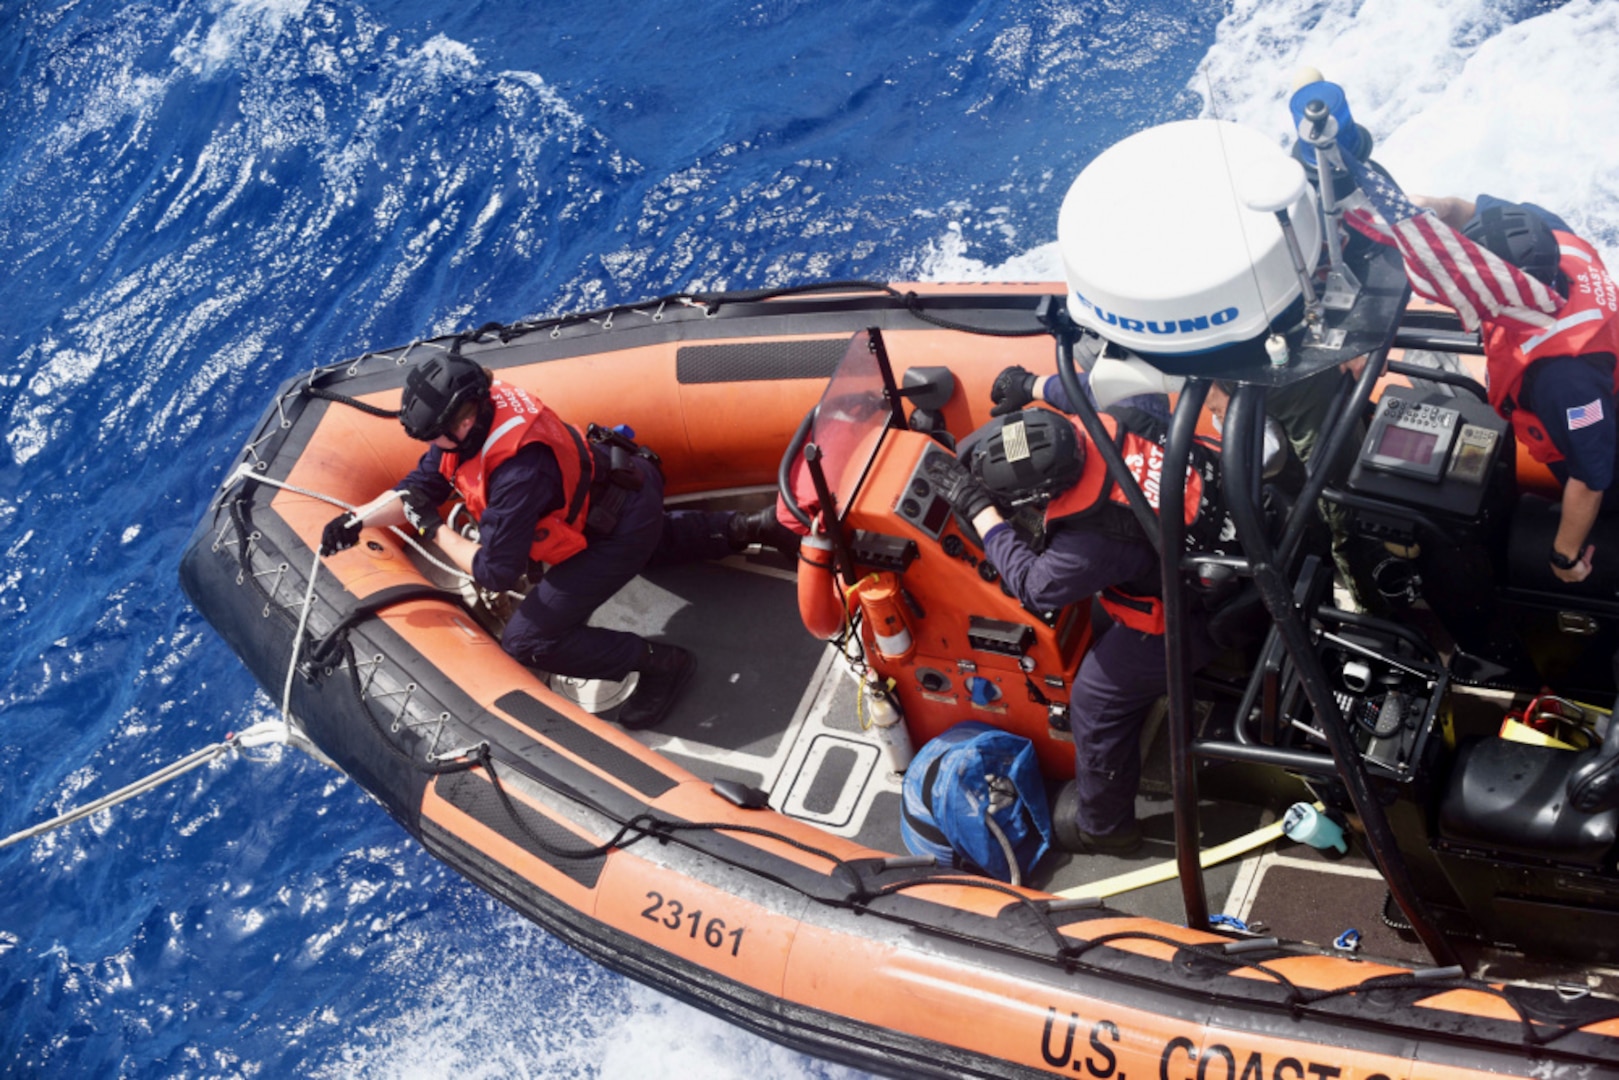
[1162, 249]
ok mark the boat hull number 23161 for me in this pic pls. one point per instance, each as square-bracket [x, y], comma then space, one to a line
[673, 915]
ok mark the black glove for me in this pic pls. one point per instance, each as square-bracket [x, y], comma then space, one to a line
[1013, 389]
[421, 514]
[952, 479]
[340, 534]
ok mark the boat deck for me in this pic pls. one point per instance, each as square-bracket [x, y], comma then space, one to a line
[774, 708]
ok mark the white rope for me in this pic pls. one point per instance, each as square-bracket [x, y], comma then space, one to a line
[266, 733]
[258, 735]
[388, 496]
[297, 645]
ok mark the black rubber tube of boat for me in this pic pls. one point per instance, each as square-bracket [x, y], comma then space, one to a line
[1182, 765]
[1246, 414]
[1100, 441]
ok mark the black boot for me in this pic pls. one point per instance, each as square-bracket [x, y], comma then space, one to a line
[761, 527]
[663, 672]
[1071, 838]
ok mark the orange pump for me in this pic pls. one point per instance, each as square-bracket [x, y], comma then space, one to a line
[880, 603]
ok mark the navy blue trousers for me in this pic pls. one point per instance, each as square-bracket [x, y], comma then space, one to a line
[549, 631]
[1117, 682]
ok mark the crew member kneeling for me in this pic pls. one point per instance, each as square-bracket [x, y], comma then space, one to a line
[1093, 546]
[542, 492]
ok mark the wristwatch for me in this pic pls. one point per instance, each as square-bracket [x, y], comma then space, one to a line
[1561, 561]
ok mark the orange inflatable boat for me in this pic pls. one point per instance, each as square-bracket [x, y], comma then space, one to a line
[744, 855]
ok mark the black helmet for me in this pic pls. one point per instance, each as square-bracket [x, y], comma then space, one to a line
[1521, 237]
[1033, 453]
[436, 390]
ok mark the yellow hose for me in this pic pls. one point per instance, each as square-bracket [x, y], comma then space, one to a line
[1168, 871]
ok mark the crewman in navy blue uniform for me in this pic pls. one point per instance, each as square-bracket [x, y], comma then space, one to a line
[1557, 385]
[1087, 553]
[542, 492]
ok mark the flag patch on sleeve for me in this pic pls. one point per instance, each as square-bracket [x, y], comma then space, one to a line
[1584, 416]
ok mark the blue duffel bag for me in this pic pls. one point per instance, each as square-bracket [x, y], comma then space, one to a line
[973, 798]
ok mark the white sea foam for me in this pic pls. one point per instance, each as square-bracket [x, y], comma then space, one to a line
[238, 25]
[480, 1013]
[1459, 99]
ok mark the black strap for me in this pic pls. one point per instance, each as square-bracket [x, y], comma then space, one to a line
[1141, 603]
[344, 399]
[326, 649]
[606, 506]
[587, 473]
[926, 829]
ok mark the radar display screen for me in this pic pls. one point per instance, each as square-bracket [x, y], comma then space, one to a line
[1410, 438]
[1408, 444]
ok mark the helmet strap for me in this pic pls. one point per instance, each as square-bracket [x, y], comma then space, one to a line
[465, 448]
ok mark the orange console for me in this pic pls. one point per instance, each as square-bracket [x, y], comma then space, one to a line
[938, 622]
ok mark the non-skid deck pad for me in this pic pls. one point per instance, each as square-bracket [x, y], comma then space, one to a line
[754, 657]
[1318, 905]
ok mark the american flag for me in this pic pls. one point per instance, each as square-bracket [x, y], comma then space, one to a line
[1444, 265]
[1584, 416]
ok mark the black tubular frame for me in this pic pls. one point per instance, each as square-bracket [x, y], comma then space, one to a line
[1167, 534]
[784, 471]
[1270, 564]
[1081, 403]
[1279, 572]
[1177, 656]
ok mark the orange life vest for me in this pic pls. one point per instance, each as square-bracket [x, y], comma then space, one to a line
[521, 419]
[1136, 604]
[1588, 323]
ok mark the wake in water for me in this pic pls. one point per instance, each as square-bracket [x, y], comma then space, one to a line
[1461, 97]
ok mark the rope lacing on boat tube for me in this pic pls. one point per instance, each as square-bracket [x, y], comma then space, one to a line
[1068, 951]
[433, 764]
[325, 650]
[711, 304]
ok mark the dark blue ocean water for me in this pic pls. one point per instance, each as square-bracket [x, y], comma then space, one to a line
[199, 200]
